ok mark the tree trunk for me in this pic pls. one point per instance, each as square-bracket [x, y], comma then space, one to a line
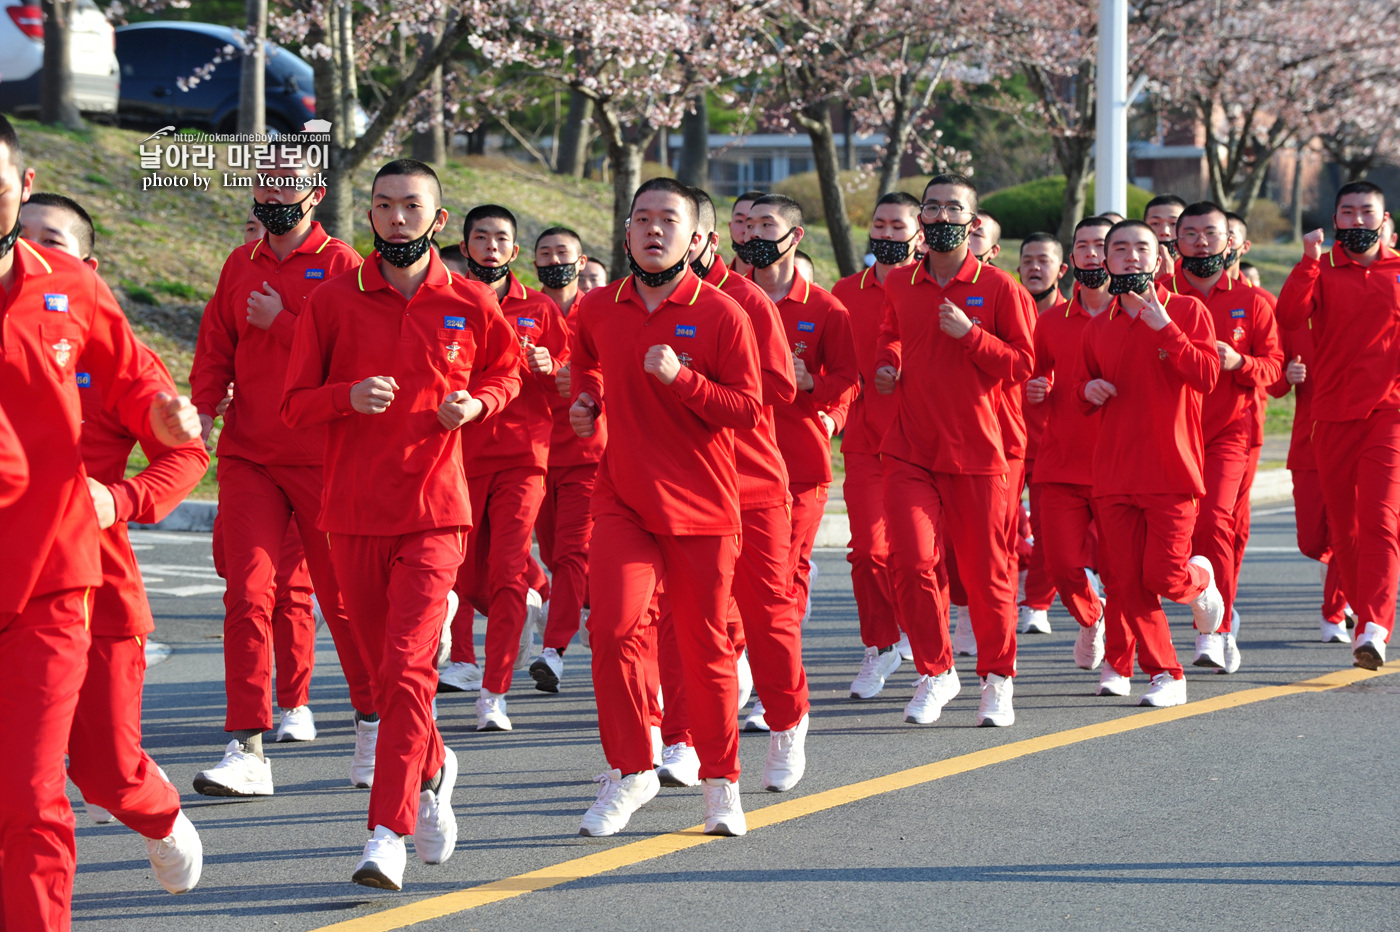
[694, 168]
[816, 120]
[573, 141]
[1075, 153]
[431, 145]
[56, 102]
[626, 160]
[252, 102]
[848, 142]
[895, 146]
[335, 212]
[1295, 207]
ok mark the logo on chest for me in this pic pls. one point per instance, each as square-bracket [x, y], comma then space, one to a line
[685, 330]
[454, 349]
[317, 274]
[56, 302]
[1162, 354]
[62, 353]
[1238, 333]
[684, 359]
[799, 348]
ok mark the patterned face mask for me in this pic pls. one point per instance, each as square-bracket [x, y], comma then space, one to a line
[1136, 282]
[1358, 239]
[1204, 266]
[890, 251]
[1091, 278]
[402, 255]
[762, 253]
[557, 276]
[943, 236]
[280, 219]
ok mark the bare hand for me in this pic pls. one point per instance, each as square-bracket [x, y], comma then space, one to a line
[103, 502]
[662, 362]
[1229, 359]
[174, 420]
[458, 408]
[224, 402]
[1165, 262]
[1099, 391]
[1146, 307]
[583, 415]
[805, 382]
[263, 307]
[538, 359]
[885, 379]
[1037, 389]
[827, 423]
[1296, 373]
[952, 320]
[1312, 244]
[206, 426]
[373, 395]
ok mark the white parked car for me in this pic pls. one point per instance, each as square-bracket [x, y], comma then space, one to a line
[92, 56]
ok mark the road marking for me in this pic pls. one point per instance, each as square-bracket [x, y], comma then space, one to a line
[658, 846]
[1287, 509]
[185, 592]
[169, 537]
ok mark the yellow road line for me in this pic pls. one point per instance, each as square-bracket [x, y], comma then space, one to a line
[660, 845]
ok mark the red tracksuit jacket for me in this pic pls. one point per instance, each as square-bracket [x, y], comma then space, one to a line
[14, 467]
[947, 420]
[763, 476]
[1150, 439]
[232, 350]
[57, 311]
[670, 463]
[120, 608]
[398, 471]
[1298, 343]
[871, 413]
[1066, 452]
[1355, 316]
[567, 448]
[519, 434]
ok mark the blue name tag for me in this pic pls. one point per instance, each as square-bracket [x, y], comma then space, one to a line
[974, 302]
[806, 326]
[1237, 312]
[315, 273]
[525, 322]
[56, 302]
[85, 380]
[685, 330]
[454, 323]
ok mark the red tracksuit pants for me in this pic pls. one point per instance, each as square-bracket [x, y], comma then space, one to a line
[871, 580]
[972, 512]
[1242, 509]
[808, 506]
[257, 503]
[564, 528]
[625, 565]
[1214, 537]
[1068, 533]
[43, 658]
[396, 597]
[493, 576]
[1144, 546]
[1314, 541]
[1360, 475]
[1040, 588]
[105, 759]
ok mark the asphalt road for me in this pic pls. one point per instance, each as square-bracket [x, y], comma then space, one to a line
[1280, 813]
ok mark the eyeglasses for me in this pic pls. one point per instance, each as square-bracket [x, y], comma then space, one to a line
[954, 213]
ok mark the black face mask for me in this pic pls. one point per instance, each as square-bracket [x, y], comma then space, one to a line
[1232, 258]
[762, 253]
[1204, 266]
[1041, 296]
[1091, 278]
[7, 242]
[1136, 282]
[402, 255]
[654, 279]
[490, 274]
[890, 251]
[557, 276]
[1171, 248]
[943, 236]
[700, 269]
[1358, 239]
[280, 219]
[741, 250]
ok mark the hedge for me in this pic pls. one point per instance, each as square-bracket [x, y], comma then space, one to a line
[1037, 205]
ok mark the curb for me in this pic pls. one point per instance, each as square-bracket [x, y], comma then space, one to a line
[189, 515]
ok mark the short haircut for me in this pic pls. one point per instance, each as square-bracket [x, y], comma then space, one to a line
[1125, 225]
[953, 178]
[984, 216]
[413, 168]
[787, 208]
[1164, 200]
[1353, 187]
[1043, 238]
[903, 199]
[82, 225]
[488, 212]
[670, 186]
[561, 231]
[750, 196]
[10, 140]
[1246, 265]
[1232, 217]
[1204, 209]
[799, 254]
[708, 219]
[450, 251]
[1099, 221]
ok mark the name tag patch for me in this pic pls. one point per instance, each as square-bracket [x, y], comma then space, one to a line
[56, 302]
[685, 330]
[528, 322]
[316, 273]
[974, 302]
[454, 323]
[1237, 312]
[806, 326]
[85, 380]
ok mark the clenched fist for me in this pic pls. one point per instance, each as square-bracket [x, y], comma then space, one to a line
[952, 320]
[662, 362]
[263, 307]
[174, 420]
[1297, 372]
[374, 394]
[1037, 389]
[1312, 244]
[103, 502]
[885, 379]
[583, 415]
[538, 359]
[805, 382]
[1099, 391]
[458, 408]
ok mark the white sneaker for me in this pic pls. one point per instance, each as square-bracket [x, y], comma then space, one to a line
[435, 835]
[362, 764]
[724, 814]
[873, 671]
[297, 725]
[177, 859]
[1088, 646]
[491, 712]
[787, 757]
[756, 720]
[1369, 653]
[382, 863]
[583, 629]
[995, 709]
[1234, 619]
[1112, 683]
[812, 573]
[1334, 633]
[745, 673]
[1350, 614]
[905, 651]
[316, 614]
[964, 641]
[680, 766]
[534, 609]
[658, 746]
[444, 653]
[618, 798]
[1033, 621]
[1208, 608]
[1094, 583]
[460, 677]
[238, 774]
[1165, 691]
[1232, 653]
[932, 694]
[1210, 651]
[97, 814]
[547, 670]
